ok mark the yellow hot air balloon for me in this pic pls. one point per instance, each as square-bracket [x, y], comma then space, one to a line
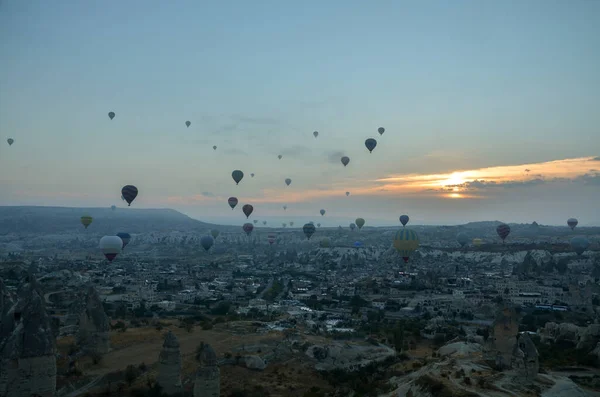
[406, 241]
[86, 220]
[477, 242]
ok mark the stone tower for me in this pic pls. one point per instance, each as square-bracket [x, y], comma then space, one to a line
[94, 326]
[27, 347]
[504, 337]
[208, 375]
[169, 366]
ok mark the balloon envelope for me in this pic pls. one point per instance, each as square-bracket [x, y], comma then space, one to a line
[288, 181]
[503, 231]
[580, 244]
[125, 237]
[111, 246]
[316, 134]
[215, 233]
[347, 194]
[111, 115]
[359, 222]
[248, 227]
[324, 243]
[404, 219]
[232, 201]
[187, 123]
[10, 141]
[206, 242]
[462, 239]
[308, 229]
[129, 193]
[370, 144]
[406, 242]
[322, 212]
[279, 157]
[215, 147]
[247, 210]
[381, 130]
[237, 176]
[572, 222]
[345, 160]
[113, 207]
[352, 226]
[86, 220]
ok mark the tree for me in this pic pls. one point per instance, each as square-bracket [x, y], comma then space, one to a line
[131, 374]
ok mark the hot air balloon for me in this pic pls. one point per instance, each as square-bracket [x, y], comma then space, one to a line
[359, 222]
[347, 194]
[572, 222]
[237, 176]
[111, 246]
[404, 219]
[318, 225]
[370, 144]
[86, 220]
[291, 224]
[252, 175]
[580, 244]
[248, 227]
[381, 130]
[316, 134]
[462, 239]
[207, 242]
[255, 221]
[111, 115]
[406, 241]
[113, 207]
[122, 198]
[232, 201]
[10, 141]
[279, 157]
[308, 229]
[188, 123]
[271, 238]
[215, 233]
[322, 212]
[288, 181]
[352, 226]
[247, 210]
[284, 224]
[129, 193]
[324, 243]
[358, 244]
[125, 237]
[285, 207]
[215, 147]
[477, 242]
[503, 231]
[345, 160]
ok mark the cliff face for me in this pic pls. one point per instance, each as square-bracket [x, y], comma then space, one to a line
[94, 325]
[28, 346]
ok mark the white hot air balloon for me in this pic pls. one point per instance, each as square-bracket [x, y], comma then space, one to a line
[111, 246]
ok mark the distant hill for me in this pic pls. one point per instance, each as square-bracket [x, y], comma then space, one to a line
[32, 219]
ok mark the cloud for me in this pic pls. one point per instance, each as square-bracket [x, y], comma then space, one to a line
[595, 159]
[591, 179]
[235, 151]
[255, 120]
[295, 151]
[208, 194]
[334, 157]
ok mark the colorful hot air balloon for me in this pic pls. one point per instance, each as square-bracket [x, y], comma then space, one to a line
[406, 242]
[284, 224]
[572, 222]
[125, 237]
[111, 246]
[291, 223]
[370, 144]
[316, 134]
[129, 193]
[322, 212]
[462, 239]
[188, 123]
[477, 242]
[381, 130]
[359, 222]
[215, 147]
[325, 243]
[580, 244]
[10, 141]
[237, 176]
[308, 229]
[503, 231]
[215, 233]
[247, 210]
[352, 226]
[345, 160]
[347, 194]
[248, 227]
[285, 207]
[357, 244]
[279, 157]
[288, 181]
[264, 222]
[404, 219]
[111, 115]
[86, 220]
[318, 225]
[252, 175]
[207, 242]
[271, 238]
[255, 221]
[232, 201]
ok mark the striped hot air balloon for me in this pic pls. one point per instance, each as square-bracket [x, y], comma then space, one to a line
[129, 193]
[406, 242]
[86, 220]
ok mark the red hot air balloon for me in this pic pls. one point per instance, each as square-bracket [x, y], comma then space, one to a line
[248, 227]
[233, 201]
[247, 209]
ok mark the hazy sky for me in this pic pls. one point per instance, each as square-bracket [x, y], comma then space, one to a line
[472, 95]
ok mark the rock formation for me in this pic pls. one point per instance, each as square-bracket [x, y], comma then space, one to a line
[504, 337]
[208, 375]
[27, 346]
[525, 360]
[169, 366]
[94, 327]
